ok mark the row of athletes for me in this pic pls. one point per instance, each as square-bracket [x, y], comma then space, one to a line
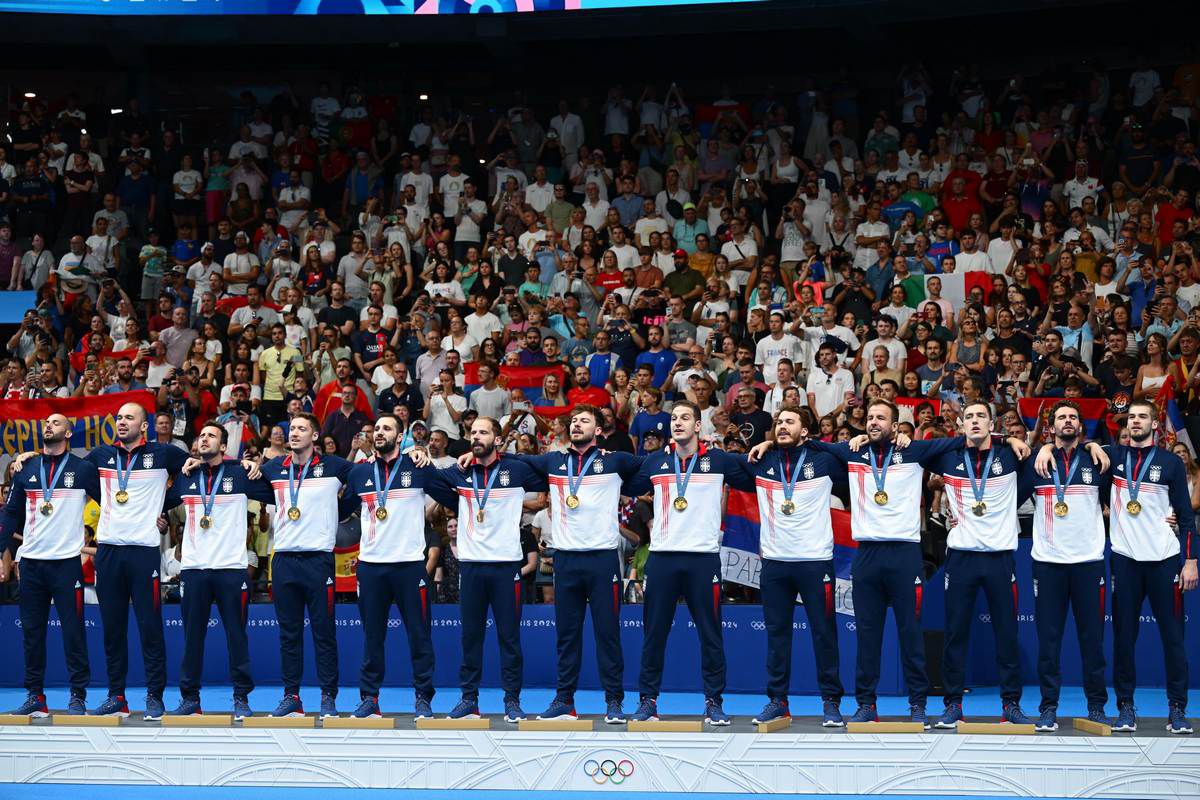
[986, 480]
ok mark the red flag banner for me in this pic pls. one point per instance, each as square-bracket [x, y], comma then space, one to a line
[1035, 411]
[93, 419]
[79, 359]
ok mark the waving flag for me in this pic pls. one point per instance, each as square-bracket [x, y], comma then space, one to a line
[1170, 419]
[92, 419]
[527, 379]
[1035, 411]
[79, 358]
[740, 560]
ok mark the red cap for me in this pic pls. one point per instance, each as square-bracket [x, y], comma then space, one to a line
[681, 253]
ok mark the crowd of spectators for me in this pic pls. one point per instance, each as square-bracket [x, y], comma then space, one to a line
[341, 255]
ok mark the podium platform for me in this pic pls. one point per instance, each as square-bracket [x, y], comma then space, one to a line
[803, 759]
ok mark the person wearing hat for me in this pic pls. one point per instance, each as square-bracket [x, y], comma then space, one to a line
[594, 172]
[687, 229]
[282, 269]
[152, 258]
[685, 281]
[1081, 185]
[241, 267]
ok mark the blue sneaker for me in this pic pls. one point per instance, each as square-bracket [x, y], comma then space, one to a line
[559, 709]
[186, 708]
[113, 706]
[241, 708]
[773, 710]
[614, 715]
[368, 709]
[1013, 714]
[1126, 718]
[714, 714]
[512, 712]
[1177, 723]
[1048, 721]
[34, 707]
[647, 710]
[328, 705]
[831, 714]
[466, 709]
[950, 717]
[422, 709]
[866, 713]
[917, 713]
[289, 706]
[77, 707]
[154, 709]
[1096, 714]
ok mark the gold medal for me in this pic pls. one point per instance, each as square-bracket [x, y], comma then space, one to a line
[479, 515]
[680, 504]
[881, 498]
[293, 513]
[572, 501]
[979, 509]
[47, 509]
[206, 522]
[788, 507]
[1061, 509]
[1134, 507]
[381, 513]
[122, 496]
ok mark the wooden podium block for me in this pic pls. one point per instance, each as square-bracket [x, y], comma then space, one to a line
[83, 721]
[444, 724]
[1094, 728]
[197, 720]
[996, 729]
[781, 724]
[884, 727]
[14, 719]
[666, 726]
[354, 723]
[555, 725]
[279, 722]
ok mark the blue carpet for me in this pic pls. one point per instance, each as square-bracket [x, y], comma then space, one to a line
[980, 702]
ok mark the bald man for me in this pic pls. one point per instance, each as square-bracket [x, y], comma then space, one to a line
[45, 507]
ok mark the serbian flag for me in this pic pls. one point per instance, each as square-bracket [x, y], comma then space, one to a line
[740, 560]
[1170, 419]
[227, 305]
[329, 399]
[527, 379]
[79, 359]
[1035, 412]
[93, 419]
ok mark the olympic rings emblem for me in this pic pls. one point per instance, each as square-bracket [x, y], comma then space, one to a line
[602, 772]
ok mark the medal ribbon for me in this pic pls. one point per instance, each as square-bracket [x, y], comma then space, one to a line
[208, 497]
[55, 474]
[880, 472]
[481, 500]
[294, 483]
[123, 472]
[575, 481]
[681, 483]
[1135, 484]
[789, 484]
[383, 485]
[1060, 486]
[977, 489]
